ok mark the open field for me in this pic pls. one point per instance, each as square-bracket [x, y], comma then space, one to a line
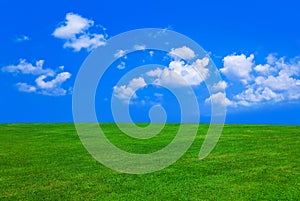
[250, 162]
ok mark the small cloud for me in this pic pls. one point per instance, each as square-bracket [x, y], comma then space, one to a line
[24, 87]
[125, 92]
[139, 47]
[75, 31]
[121, 66]
[120, 53]
[21, 38]
[158, 95]
[182, 52]
[220, 99]
[151, 53]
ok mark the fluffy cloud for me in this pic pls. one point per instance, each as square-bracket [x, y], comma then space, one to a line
[75, 31]
[51, 87]
[221, 85]
[89, 42]
[73, 25]
[251, 95]
[180, 74]
[219, 99]
[125, 92]
[182, 52]
[238, 66]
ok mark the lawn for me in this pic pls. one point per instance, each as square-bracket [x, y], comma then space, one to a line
[250, 162]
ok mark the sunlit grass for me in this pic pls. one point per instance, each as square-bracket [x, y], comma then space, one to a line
[250, 162]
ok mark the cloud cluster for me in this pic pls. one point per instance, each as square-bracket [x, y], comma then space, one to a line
[51, 87]
[274, 81]
[24, 67]
[177, 74]
[75, 31]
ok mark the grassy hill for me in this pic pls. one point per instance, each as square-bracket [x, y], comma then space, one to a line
[250, 162]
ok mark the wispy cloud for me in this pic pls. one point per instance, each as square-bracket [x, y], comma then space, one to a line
[24, 67]
[76, 32]
[51, 87]
[120, 53]
[139, 47]
[21, 38]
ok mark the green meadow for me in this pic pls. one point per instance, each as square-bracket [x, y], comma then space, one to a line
[250, 162]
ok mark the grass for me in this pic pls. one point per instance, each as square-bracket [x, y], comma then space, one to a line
[250, 162]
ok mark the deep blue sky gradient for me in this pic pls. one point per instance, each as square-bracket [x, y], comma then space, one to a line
[220, 27]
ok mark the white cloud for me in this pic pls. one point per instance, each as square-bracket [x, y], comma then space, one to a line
[25, 87]
[221, 85]
[140, 47]
[182, 52]
[167, 77]
[180, 74]
[75, 31]
[120, 53]
[27, 68]
[219, 99]
[177, 74]
[73, 25]
[56, 82]
[276, 80]
[271, 58]
[125, 92]
[51, 88]
[122, 65]
[280, 82]
[89, 42]
[263, 69]
[238, 66]
[258, 95]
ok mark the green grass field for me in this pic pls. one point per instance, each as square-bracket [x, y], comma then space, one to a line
[250, 162]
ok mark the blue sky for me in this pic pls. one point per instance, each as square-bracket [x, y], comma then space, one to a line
[254, 44]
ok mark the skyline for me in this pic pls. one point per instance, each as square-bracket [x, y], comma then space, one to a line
[257, 56]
